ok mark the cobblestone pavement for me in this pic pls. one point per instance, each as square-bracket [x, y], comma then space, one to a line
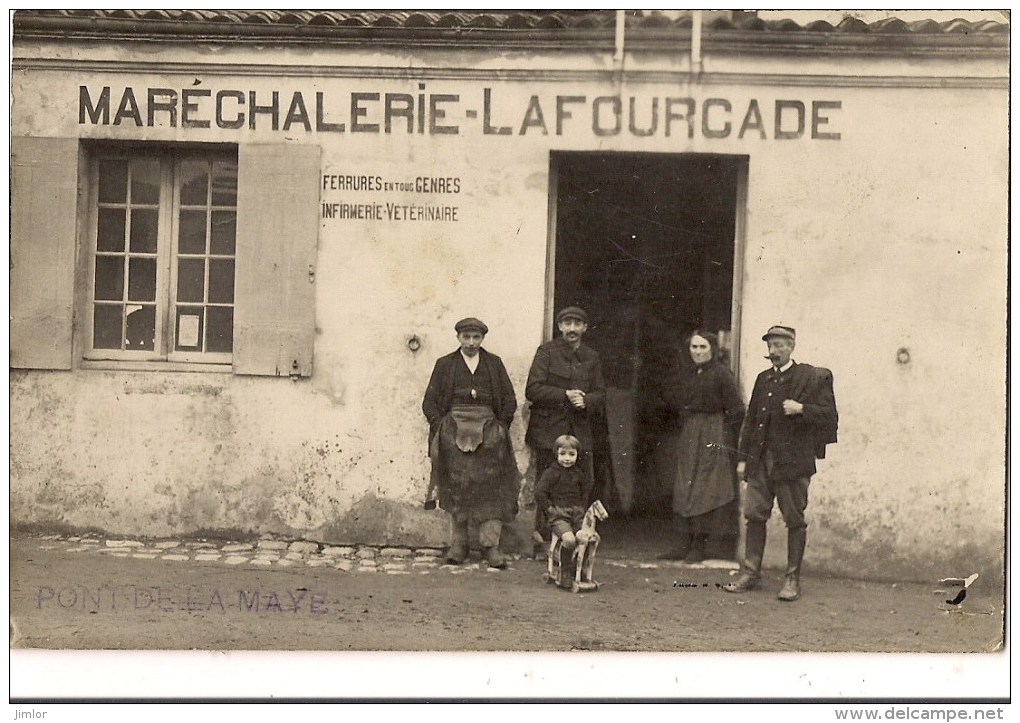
[277, 553]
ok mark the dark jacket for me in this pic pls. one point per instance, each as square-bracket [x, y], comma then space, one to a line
[556, 368]
[713, 390]
[796, 441]
[562, 487]
[439, 393]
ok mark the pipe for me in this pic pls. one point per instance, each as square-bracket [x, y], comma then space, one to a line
[621, 18]
[696, 63]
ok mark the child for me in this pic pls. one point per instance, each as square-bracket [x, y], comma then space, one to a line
[563, 490]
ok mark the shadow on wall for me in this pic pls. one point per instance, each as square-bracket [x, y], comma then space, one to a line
[376, 521]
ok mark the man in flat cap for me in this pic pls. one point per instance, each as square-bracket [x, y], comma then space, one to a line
[790, 418]
[470, 403]
[566, 391]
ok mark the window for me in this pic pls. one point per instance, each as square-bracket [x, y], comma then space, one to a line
[196, 256]
[162, 257]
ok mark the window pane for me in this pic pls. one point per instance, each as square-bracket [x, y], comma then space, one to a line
[221, 281]
[144, 228]
[194, 183]
[110, 278]
[113, 181]
[224, 184]
[223, 231]
[110, 231]
[131, 291]
[145, 181]
[141, 280]
[220, 332]
[192, 234]
[189, 328]
[141, 327]
[106, 334]
[190, 280]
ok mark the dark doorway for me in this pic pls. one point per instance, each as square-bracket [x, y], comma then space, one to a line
[645, 242]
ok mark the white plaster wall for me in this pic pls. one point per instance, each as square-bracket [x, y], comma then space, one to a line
[893, 236]
[911, 253]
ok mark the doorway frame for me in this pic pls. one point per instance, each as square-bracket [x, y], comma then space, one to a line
[550, 248]
[739, 242]
[740, 229]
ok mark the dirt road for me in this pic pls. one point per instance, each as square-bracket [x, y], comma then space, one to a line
[77, 601]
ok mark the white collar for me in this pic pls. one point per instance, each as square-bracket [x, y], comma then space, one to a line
[785, 366]
[471, 361]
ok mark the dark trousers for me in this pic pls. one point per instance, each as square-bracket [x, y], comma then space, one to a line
[764, 489]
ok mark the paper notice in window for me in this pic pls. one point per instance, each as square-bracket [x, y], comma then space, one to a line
[187, 330]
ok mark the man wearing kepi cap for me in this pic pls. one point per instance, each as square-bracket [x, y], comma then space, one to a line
[790, 418]
[566, 391]
[470, 404]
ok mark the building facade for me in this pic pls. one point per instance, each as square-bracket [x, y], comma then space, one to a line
[241, 238]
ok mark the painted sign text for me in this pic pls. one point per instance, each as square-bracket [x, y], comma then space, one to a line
[440, 114]
[423, 210]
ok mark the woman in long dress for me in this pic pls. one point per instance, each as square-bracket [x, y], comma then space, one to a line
[705, 395]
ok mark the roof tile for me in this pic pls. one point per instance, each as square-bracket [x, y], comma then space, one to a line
[517, 20]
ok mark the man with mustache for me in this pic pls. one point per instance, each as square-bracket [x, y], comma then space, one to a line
[566, 391]
[790, 418]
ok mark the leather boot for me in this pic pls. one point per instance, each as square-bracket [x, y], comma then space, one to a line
[495, 558]
[488, 539]
[683, 546]
[750, 568]
[796, 540]
[697, 552]
[458, 550]
[456, 554]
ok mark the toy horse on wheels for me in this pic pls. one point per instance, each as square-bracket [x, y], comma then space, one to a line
[572, 569]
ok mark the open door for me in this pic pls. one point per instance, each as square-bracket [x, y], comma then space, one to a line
[646, 243]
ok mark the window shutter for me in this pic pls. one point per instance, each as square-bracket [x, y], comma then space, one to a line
[277, 233]
[44, 213]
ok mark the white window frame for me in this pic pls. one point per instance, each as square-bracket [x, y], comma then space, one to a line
[167, 247]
